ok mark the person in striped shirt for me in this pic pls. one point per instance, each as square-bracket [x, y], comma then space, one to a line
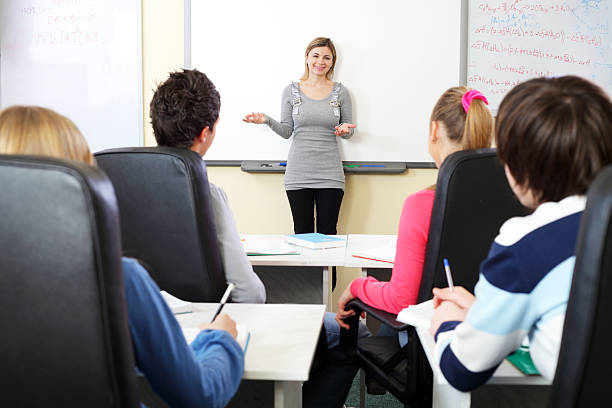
[553, 135]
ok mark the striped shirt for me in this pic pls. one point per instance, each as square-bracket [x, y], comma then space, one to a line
[522, 291]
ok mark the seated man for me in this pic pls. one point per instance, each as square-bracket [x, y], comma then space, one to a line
[184, 114]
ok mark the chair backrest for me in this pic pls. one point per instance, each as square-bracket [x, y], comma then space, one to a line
[472, 201]
[167, 219]
[63, 317]
[585, 356]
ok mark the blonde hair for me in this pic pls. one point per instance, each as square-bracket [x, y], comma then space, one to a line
[40, 131]
[471, 130]
[320, 42]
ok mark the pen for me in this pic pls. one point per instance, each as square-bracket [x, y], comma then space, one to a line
[229, 289]
[282, 164]
[449, 277]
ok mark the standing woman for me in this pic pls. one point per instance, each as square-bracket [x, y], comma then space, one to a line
[315, 110]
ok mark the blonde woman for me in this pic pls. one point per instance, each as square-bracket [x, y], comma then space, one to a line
[460, 120]
[315, 111]
[39, 131]
[207, 372]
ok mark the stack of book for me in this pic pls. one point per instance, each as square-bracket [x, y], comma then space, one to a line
[315, 240]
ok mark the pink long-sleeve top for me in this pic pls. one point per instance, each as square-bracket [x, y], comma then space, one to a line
[403, 288]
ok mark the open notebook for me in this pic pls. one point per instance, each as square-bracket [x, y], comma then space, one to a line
[243, 337]
[385, 253]
[417, 315]
[178, 306]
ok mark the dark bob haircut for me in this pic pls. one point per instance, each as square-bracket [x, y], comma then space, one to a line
[182, 107]
[555, 134]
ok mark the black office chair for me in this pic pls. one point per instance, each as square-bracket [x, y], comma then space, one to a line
[65, 338]
[585, 358]
[472, 201]
[166, 218]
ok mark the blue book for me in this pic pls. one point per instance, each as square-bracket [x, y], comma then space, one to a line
[315, 240]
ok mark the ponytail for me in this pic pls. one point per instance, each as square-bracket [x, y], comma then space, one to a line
[470, 130]
[478, 129]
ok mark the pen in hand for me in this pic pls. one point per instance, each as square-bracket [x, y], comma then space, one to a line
[229, 289]
[449, 277]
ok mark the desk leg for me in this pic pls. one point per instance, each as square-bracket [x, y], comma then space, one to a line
[287, 394]
[445, 396]
[326, 288]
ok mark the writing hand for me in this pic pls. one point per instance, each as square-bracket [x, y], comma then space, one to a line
[344, 129]
[459, 296]
[222, 322]
[253, 117]
[446, 311]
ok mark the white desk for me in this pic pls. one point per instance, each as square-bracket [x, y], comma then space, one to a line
[323, 258]
[444, 395]
[362, 242]
[282, 344]
[326, 258]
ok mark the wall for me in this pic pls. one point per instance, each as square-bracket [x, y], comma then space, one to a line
[372, 203]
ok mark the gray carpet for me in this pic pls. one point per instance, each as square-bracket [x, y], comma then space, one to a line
[372, 401]
[489, 396]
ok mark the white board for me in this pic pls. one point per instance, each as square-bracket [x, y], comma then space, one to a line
[394, 56]
[512, 41]
[81, 58]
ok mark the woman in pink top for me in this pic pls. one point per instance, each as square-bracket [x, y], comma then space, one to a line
[460, 120]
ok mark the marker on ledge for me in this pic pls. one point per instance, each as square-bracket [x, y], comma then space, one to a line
[229, 289]
[449, 277]
[363, 165]
[284, 164]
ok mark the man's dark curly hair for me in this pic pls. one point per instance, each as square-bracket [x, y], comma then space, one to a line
[182, 107]
[555, 134]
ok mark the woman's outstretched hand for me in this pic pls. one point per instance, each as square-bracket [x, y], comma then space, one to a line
[255, 117]
[344, 129]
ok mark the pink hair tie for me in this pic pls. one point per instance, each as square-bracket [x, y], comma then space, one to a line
[466, 100]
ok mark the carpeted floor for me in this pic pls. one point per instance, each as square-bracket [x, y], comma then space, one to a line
[372, 401]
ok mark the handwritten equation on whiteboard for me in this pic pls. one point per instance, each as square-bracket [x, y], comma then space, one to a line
[48, 27]
[515, 40]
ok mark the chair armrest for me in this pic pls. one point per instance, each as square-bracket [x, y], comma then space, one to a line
[380, 315]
